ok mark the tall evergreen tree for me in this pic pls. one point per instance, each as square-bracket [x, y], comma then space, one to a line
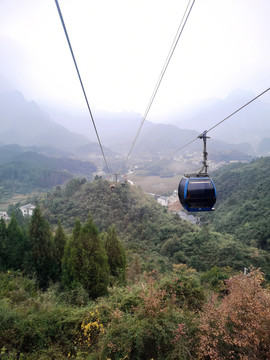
[60, 240]
[70, 256]
[85, 261]
[41, 246]
[3, 235]
[16, 245]
[76, 229]
[116, 255]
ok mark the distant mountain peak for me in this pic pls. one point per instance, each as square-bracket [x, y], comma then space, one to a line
[25, 123]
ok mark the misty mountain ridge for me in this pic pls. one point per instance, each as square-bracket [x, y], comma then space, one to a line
[164, 138]
[26, 124]
[117, 131]
[246, 129]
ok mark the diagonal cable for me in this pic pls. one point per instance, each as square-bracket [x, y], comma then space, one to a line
[79, 76]
[236, 111]
[165, 66]
[206, 131]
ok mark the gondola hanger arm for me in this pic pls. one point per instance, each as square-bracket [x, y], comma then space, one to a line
[203, 171]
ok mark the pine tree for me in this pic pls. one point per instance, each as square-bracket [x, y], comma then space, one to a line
[85, 261]
[116, 255]
[60, 240]
[70, 254]
[16, 245]
[41, 246]
[3, 235]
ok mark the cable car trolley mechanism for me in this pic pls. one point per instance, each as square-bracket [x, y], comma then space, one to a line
[197, 192]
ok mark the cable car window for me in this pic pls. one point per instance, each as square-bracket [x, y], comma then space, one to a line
[200, 189]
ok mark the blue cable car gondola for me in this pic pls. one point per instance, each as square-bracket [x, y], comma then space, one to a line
[197, 192]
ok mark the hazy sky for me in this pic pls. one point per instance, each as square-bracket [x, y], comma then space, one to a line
[121, 46]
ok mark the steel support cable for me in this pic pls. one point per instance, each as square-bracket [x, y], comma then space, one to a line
[236, 111]
[170, 154]
[79, 76]
[165, 66]
[206, 131]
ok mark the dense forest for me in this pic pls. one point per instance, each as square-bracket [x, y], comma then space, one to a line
[97, 273]
[243, 202]
[147, 228]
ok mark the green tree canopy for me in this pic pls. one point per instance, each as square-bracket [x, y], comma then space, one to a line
[60, 240]
[85, 261]
[3, 235]
[41, 247]
[116, 254]
[16, 245]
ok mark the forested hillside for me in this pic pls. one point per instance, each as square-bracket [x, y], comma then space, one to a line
[24, 170]
[243, 202]
[147, 228]
[141, 221]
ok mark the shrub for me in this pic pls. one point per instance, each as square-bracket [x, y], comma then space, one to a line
[238, 326]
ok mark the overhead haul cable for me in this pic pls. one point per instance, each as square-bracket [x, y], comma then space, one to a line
[165, 66]
[242, 107]
[207, 131]
[79, 76]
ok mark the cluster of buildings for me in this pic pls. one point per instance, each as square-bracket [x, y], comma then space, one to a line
[27, 210]
[172, 204]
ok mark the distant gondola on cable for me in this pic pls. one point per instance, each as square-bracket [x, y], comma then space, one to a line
[197, 192]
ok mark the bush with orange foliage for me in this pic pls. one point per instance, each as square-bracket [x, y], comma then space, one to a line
[238, 326]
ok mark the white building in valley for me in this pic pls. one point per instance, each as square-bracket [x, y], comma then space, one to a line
[4, 215]
[27, 209]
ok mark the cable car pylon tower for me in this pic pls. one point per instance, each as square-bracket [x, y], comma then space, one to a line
[116, 176]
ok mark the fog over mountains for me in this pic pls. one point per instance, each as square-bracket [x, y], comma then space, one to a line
[26, 123]
[250, 127]
[251, 124]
